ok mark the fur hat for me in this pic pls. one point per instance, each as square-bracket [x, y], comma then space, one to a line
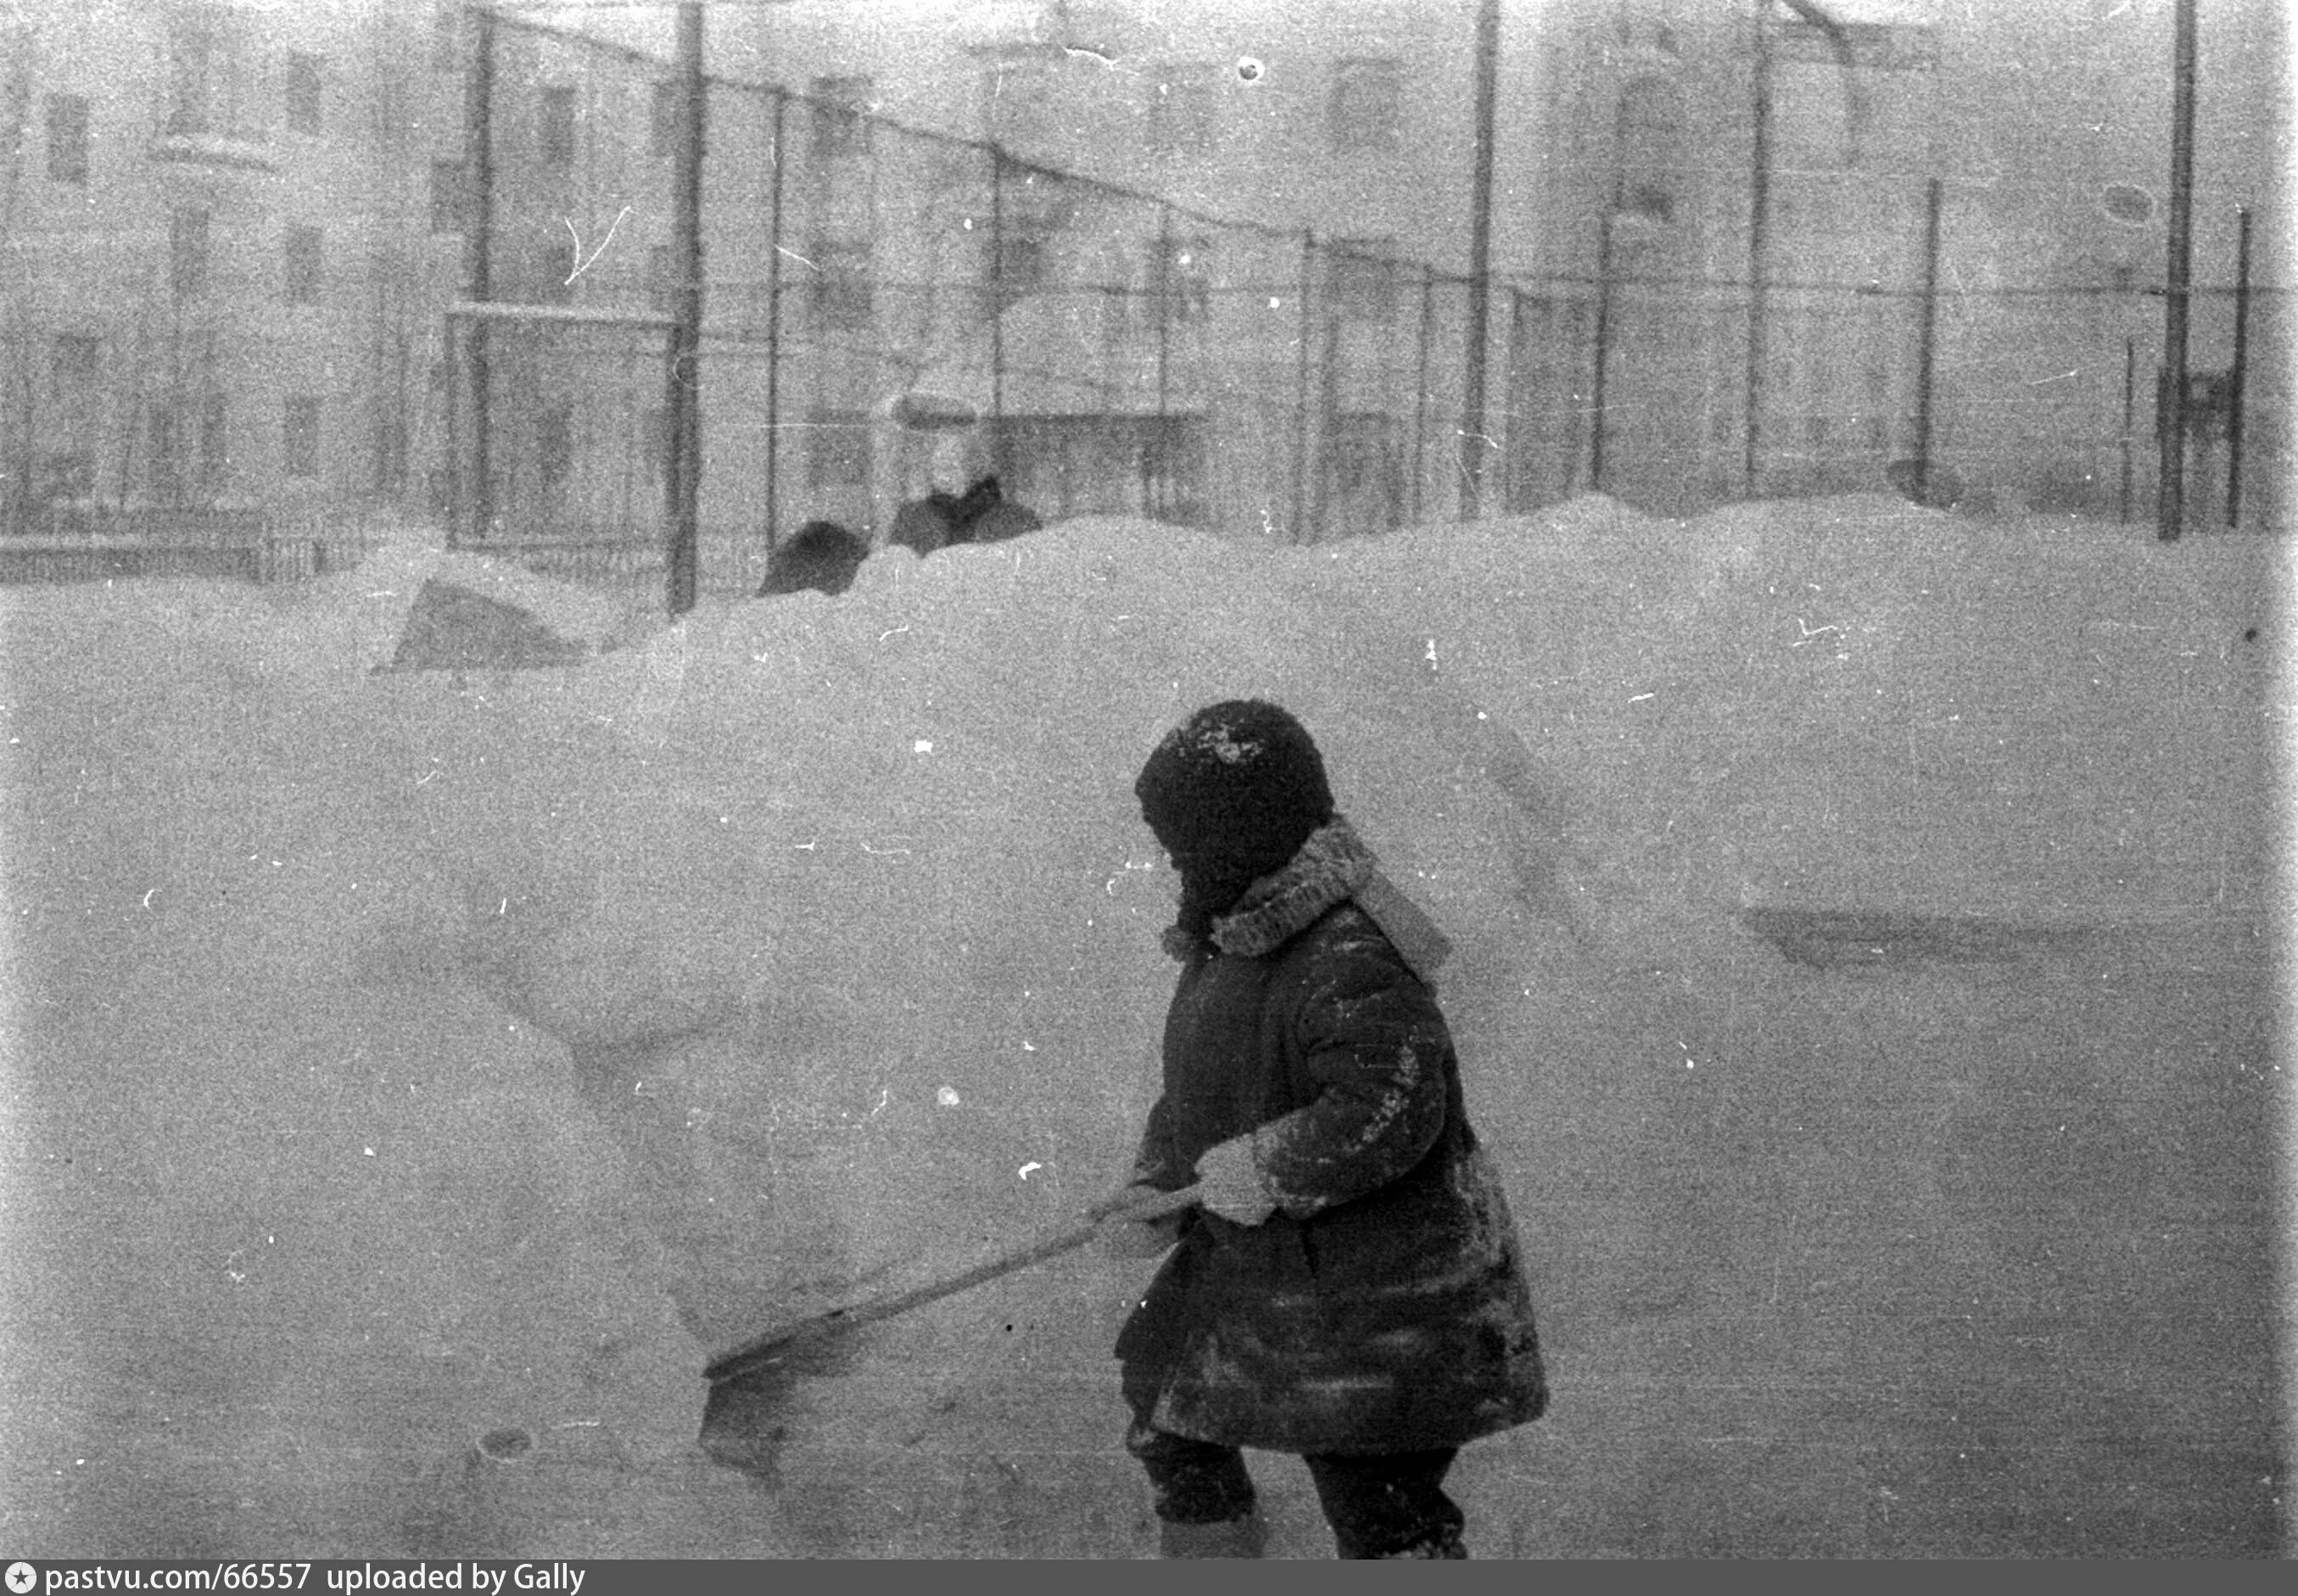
[1232, 795]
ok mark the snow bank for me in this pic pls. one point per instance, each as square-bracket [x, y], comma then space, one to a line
[401, 1055]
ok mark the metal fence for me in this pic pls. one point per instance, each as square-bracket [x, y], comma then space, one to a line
[889, 311]
[871, 289]
[1117, 352]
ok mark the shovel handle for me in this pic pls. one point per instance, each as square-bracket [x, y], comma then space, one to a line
[770, 1346]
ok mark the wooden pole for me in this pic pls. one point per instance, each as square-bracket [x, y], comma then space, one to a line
[1475, 447]
[478, 120]
[1420, 389]
[682, 383]
[1927, 342]
[2239, 377]
[2171, 422]
[1759, 226]
[1597, 398]
[2129, 413]
[996, 313]
[1167, 454]
[1300, 529]
[774, 328]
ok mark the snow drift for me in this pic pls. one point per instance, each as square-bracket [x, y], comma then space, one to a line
[400, 1056]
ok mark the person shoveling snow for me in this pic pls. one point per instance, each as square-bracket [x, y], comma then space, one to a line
[1347, 1287]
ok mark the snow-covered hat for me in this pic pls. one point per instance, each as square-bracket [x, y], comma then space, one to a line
[1232, 794]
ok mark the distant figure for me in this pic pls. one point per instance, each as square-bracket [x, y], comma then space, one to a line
[923, 524]
[822, 556]
[982, 515]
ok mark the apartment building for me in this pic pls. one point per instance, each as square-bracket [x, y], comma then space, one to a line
[1200, 261]
[1809, 358]
[215, 265]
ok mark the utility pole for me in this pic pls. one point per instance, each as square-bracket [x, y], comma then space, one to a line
[682, 396]
[1476, 448]
[2170, 421]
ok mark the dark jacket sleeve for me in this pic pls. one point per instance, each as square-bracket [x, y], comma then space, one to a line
[1158, 1163]
[1371, 1044]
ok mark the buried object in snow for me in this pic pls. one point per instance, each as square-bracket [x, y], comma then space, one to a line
[748, 1382]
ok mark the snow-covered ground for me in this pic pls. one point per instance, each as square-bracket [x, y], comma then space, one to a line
[398, 1057]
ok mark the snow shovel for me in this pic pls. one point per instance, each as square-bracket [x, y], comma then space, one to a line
[747, 1382]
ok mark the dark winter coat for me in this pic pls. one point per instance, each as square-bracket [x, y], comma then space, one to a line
[982, 514]
[1382, 1307]
[823, 556]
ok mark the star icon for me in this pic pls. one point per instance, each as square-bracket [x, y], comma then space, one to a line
[22, 1577]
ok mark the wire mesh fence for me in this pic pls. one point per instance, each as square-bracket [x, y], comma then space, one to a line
[889, 311]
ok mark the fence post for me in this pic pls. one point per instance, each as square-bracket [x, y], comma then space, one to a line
[1300, 397]
[2129, 411]
[1602, 355]
[2239, 377]
[1420, 388]
[1324, 452]
[478, 118]
[1476, 448]
[774, 328]
[1759, 227]
[998, 310]
[1926, 341]
[1166, 453]
[683, 382]
[2170, 423]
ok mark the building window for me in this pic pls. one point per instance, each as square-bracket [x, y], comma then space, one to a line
[554, 444]
[555, 272]
[654, 442]
[1020, 267]
[187, 253]
[839, 452]
[177, 474]
[447, 37]
[300, 92]
[167, 452]
[68, 139]
[842, 284]
[305, 264]
[662, 118]
[1180, 112]
[1116, 301]
[840, 127]
[210, 74]
[66, 473]
[78, 362]
[215, 441]
[556, 132]
[1361, 279]
[1181, 287]
[1367, 105]
[299, 436]
[449, 203]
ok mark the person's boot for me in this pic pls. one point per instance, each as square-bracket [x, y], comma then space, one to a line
[1228, 1538]
[1444, 1547]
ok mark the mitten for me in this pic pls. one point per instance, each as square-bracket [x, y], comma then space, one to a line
[1232, 1182]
